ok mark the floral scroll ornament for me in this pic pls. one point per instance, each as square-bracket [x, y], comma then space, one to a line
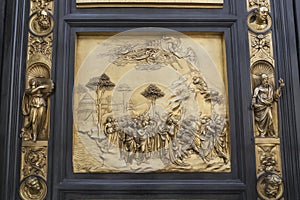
[40, 45]
[261, 44]
[258, 3]
[35, 161]
[268, 158]
[268, 163]
[41, 5]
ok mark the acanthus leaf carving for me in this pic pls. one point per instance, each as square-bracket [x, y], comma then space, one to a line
[35, 161]
[259, 3]
[268, 158]
[41, 5]
[260, 45]
[40, 45]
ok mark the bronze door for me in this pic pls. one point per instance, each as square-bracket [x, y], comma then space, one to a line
[149, 99]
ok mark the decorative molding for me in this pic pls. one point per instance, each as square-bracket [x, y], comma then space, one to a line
[261, 47]
[40, 45]
[264, 98]
[36, 102]
[38, 5]
[268, 158]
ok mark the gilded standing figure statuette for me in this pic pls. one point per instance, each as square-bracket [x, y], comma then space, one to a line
[34, 108]
[263, 98]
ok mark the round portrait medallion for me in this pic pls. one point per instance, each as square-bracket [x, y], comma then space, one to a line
[270, 186]
[41, 23]
[33, 187]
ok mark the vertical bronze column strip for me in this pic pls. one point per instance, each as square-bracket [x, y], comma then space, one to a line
[36, 102]
[264, 101]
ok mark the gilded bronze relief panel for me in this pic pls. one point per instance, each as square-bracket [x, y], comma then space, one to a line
[151, 100]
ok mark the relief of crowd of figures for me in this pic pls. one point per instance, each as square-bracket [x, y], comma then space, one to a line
[173, 138]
